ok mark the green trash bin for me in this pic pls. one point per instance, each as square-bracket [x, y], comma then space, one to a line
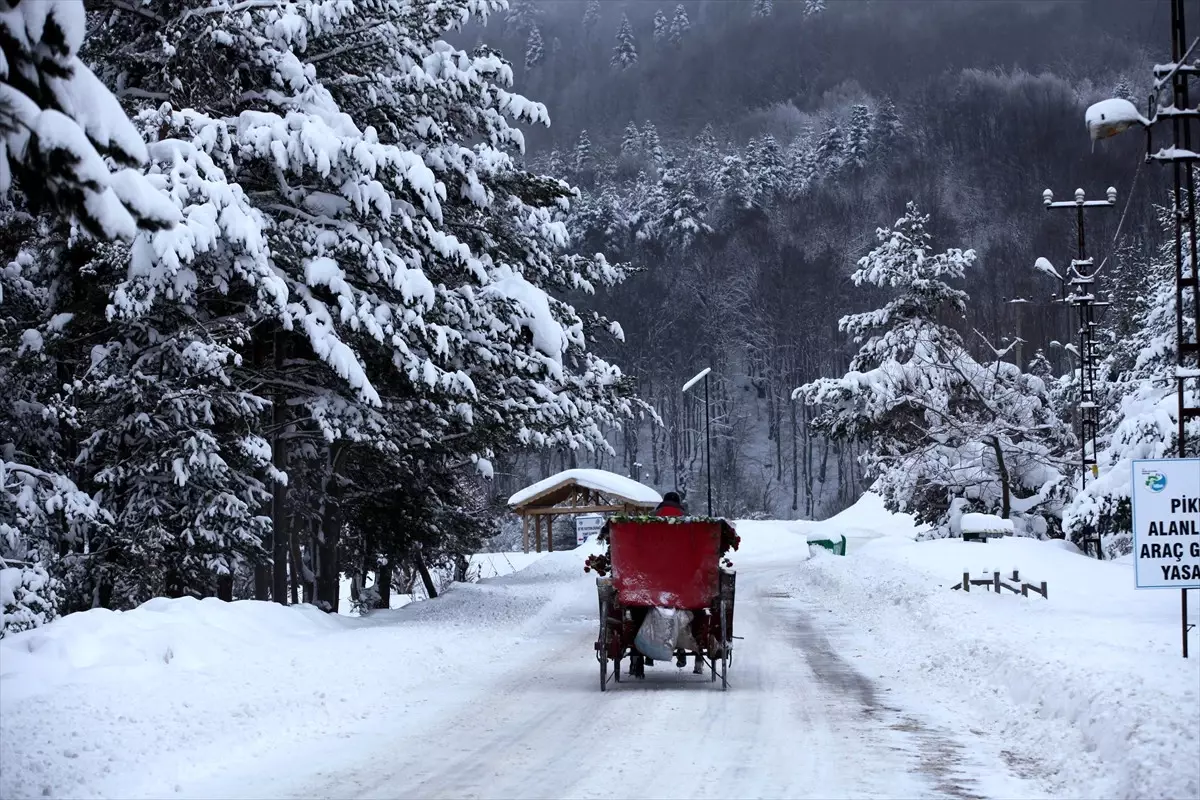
[838, 547]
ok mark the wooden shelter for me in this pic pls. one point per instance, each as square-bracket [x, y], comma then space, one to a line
[574, 492]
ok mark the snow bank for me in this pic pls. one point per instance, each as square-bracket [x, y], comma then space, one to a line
[166, 699]
[1097, 664]
[868, 519]
[597, 479]
[182, 634]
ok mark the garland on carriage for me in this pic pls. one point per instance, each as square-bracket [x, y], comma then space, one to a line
[602, 563]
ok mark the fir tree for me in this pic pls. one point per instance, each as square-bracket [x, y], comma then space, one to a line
[631, 141]
[581, 159]
[887, 128]
[682, 222]
[591, 15]
[735, 184]
[767, 167]
[401, 291]
[812, 7]
[625, 51]
[662, 28]
[858, 137]
[830, 152]
[651, 145]
[680, 24]
[763, 8]
[522, 17]
[533, 49]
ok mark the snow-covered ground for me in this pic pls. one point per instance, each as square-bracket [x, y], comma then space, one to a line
[863, 676]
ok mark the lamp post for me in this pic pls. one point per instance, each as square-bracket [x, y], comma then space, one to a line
[707, 430]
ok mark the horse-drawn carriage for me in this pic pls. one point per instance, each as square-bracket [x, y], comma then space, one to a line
[670, 590]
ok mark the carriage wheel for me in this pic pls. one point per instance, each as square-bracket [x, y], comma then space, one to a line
[724, 650]
[602, 654]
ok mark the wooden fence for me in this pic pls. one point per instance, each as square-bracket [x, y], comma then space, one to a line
[997, 583]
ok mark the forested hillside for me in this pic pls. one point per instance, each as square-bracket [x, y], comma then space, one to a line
[740, 157]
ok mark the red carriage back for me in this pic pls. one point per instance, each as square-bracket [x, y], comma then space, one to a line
[666, 564]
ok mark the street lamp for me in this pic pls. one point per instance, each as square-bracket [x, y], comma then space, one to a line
[707, 431]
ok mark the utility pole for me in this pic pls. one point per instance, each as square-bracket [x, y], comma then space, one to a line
[1176, 111]
[1111, 117]
[1079, 290]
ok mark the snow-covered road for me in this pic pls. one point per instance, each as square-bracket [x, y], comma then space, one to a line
[857, 677]
[798, 720]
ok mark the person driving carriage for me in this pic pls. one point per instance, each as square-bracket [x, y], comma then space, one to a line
[671, 506]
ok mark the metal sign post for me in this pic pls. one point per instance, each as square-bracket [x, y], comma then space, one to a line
[1166, 527]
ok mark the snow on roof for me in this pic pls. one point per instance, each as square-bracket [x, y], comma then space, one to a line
[597, 479]
[986, 523]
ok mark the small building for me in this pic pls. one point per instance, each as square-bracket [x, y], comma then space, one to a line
[577, 491]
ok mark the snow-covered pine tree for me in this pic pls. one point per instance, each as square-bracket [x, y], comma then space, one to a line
[683, 219]
[763, 8]
[416, 252]
[767, 167]
[522, 17]
[737, 189]
[680, 24]
[830, 152]
[58, 123]
[887, 126]
[582, 161]
[591, 15]
[802, 169]
[704, 161]
[662, 27]
[812, 7]
[857, 147]
[42, 509]
[631, 141]
[937, 424]
[625, 50]
[651, 144]
[534, 52]
[1142, 417]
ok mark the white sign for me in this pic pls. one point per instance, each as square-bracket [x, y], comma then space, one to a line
[1166, 523]
[586, 526]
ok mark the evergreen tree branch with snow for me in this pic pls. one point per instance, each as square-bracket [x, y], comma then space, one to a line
[58, 124]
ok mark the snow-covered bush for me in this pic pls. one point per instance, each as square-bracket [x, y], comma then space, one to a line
[28, 598]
